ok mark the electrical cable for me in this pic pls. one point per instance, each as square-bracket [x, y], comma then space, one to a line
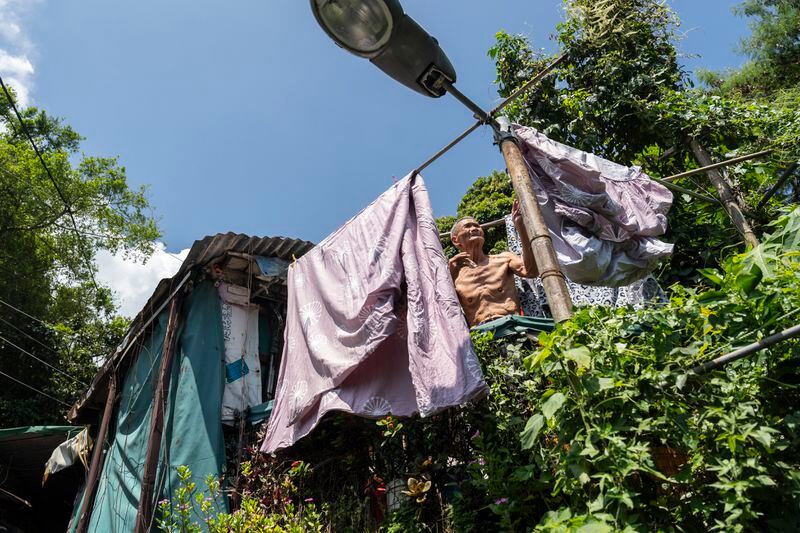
[33, 388]
[31, 337]
[26, 352]
[39, 320]
[47, 171]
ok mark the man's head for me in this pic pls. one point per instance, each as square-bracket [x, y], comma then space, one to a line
[466, 233]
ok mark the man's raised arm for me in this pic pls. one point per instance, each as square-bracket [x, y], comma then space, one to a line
[525, 266]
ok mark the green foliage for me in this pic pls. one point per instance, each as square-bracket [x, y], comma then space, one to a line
[614, 433]
[621, 94]
[773, 47]
[179, 514]
[620, 60]
[48, 268]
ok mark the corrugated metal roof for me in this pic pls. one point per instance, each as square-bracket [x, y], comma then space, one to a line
[201, 253]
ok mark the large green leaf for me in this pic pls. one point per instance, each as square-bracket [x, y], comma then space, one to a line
[553, 404]
[531, 431]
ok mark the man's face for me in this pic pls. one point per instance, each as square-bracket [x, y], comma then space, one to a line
[468, 233]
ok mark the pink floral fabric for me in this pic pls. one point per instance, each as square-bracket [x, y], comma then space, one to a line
[373, 323]
[603, 217]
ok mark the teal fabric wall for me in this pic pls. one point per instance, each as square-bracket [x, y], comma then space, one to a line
[192, 424]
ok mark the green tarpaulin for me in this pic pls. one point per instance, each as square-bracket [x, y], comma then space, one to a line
[516, 324]
[192, 426]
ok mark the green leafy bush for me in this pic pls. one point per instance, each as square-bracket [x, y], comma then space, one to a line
[613, 430]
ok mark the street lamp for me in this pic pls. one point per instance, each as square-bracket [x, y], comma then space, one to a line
[380, 31]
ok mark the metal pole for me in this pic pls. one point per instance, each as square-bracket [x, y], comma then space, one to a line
[144, 514]
[747, 350]
[98, 458]
[725, 191]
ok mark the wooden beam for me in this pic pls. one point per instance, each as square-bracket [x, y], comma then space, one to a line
[98, 459]
[144, 515]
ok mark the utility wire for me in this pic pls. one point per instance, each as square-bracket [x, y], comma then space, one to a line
[31, 337]
[49, 175]
[26, 352]
[39, 320]
[34, 388]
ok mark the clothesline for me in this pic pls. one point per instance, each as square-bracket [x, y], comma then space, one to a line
[666, 182]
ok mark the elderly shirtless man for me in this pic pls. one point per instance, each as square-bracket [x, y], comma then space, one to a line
[485, 283]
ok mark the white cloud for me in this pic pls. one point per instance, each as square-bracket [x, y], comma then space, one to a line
[133, 282]
[16, 48]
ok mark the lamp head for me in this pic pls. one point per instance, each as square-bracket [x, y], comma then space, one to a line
[380, 31]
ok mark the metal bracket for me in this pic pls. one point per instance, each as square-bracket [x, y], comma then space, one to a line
[502, 130]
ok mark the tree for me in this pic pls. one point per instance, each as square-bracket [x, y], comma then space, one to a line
[773, 48]
[50, 229]
[621, 94]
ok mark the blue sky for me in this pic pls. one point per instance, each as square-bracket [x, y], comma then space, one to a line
[243, 116]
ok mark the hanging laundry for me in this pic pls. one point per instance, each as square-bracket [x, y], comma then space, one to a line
[373, 323]
[242, 366]
[603, 217]
[73, 450]
[533, 300]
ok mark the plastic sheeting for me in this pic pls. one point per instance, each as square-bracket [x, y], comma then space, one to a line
[192, 425]
[516, 325]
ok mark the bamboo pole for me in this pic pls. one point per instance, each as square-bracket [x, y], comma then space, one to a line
[726, 195]
[98, 458]
[555, 285]
[144, 514]
[778, 184]
[721, 164]
[744, 351]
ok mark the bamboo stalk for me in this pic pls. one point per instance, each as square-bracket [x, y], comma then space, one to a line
[778, 184]
[555, 285]
[744, 351]
[726, 195]
[712, 166]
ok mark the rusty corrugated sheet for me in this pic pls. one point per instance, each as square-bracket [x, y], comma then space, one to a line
[201, 252]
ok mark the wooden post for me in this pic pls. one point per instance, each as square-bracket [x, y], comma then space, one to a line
[98, 458]
[144, 514]
[725, 191]
[555, 286]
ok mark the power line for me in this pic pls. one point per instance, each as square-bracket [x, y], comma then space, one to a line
[39, 320]
[26, 352]
[34, 389]
[31, 337]
[47, 171]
